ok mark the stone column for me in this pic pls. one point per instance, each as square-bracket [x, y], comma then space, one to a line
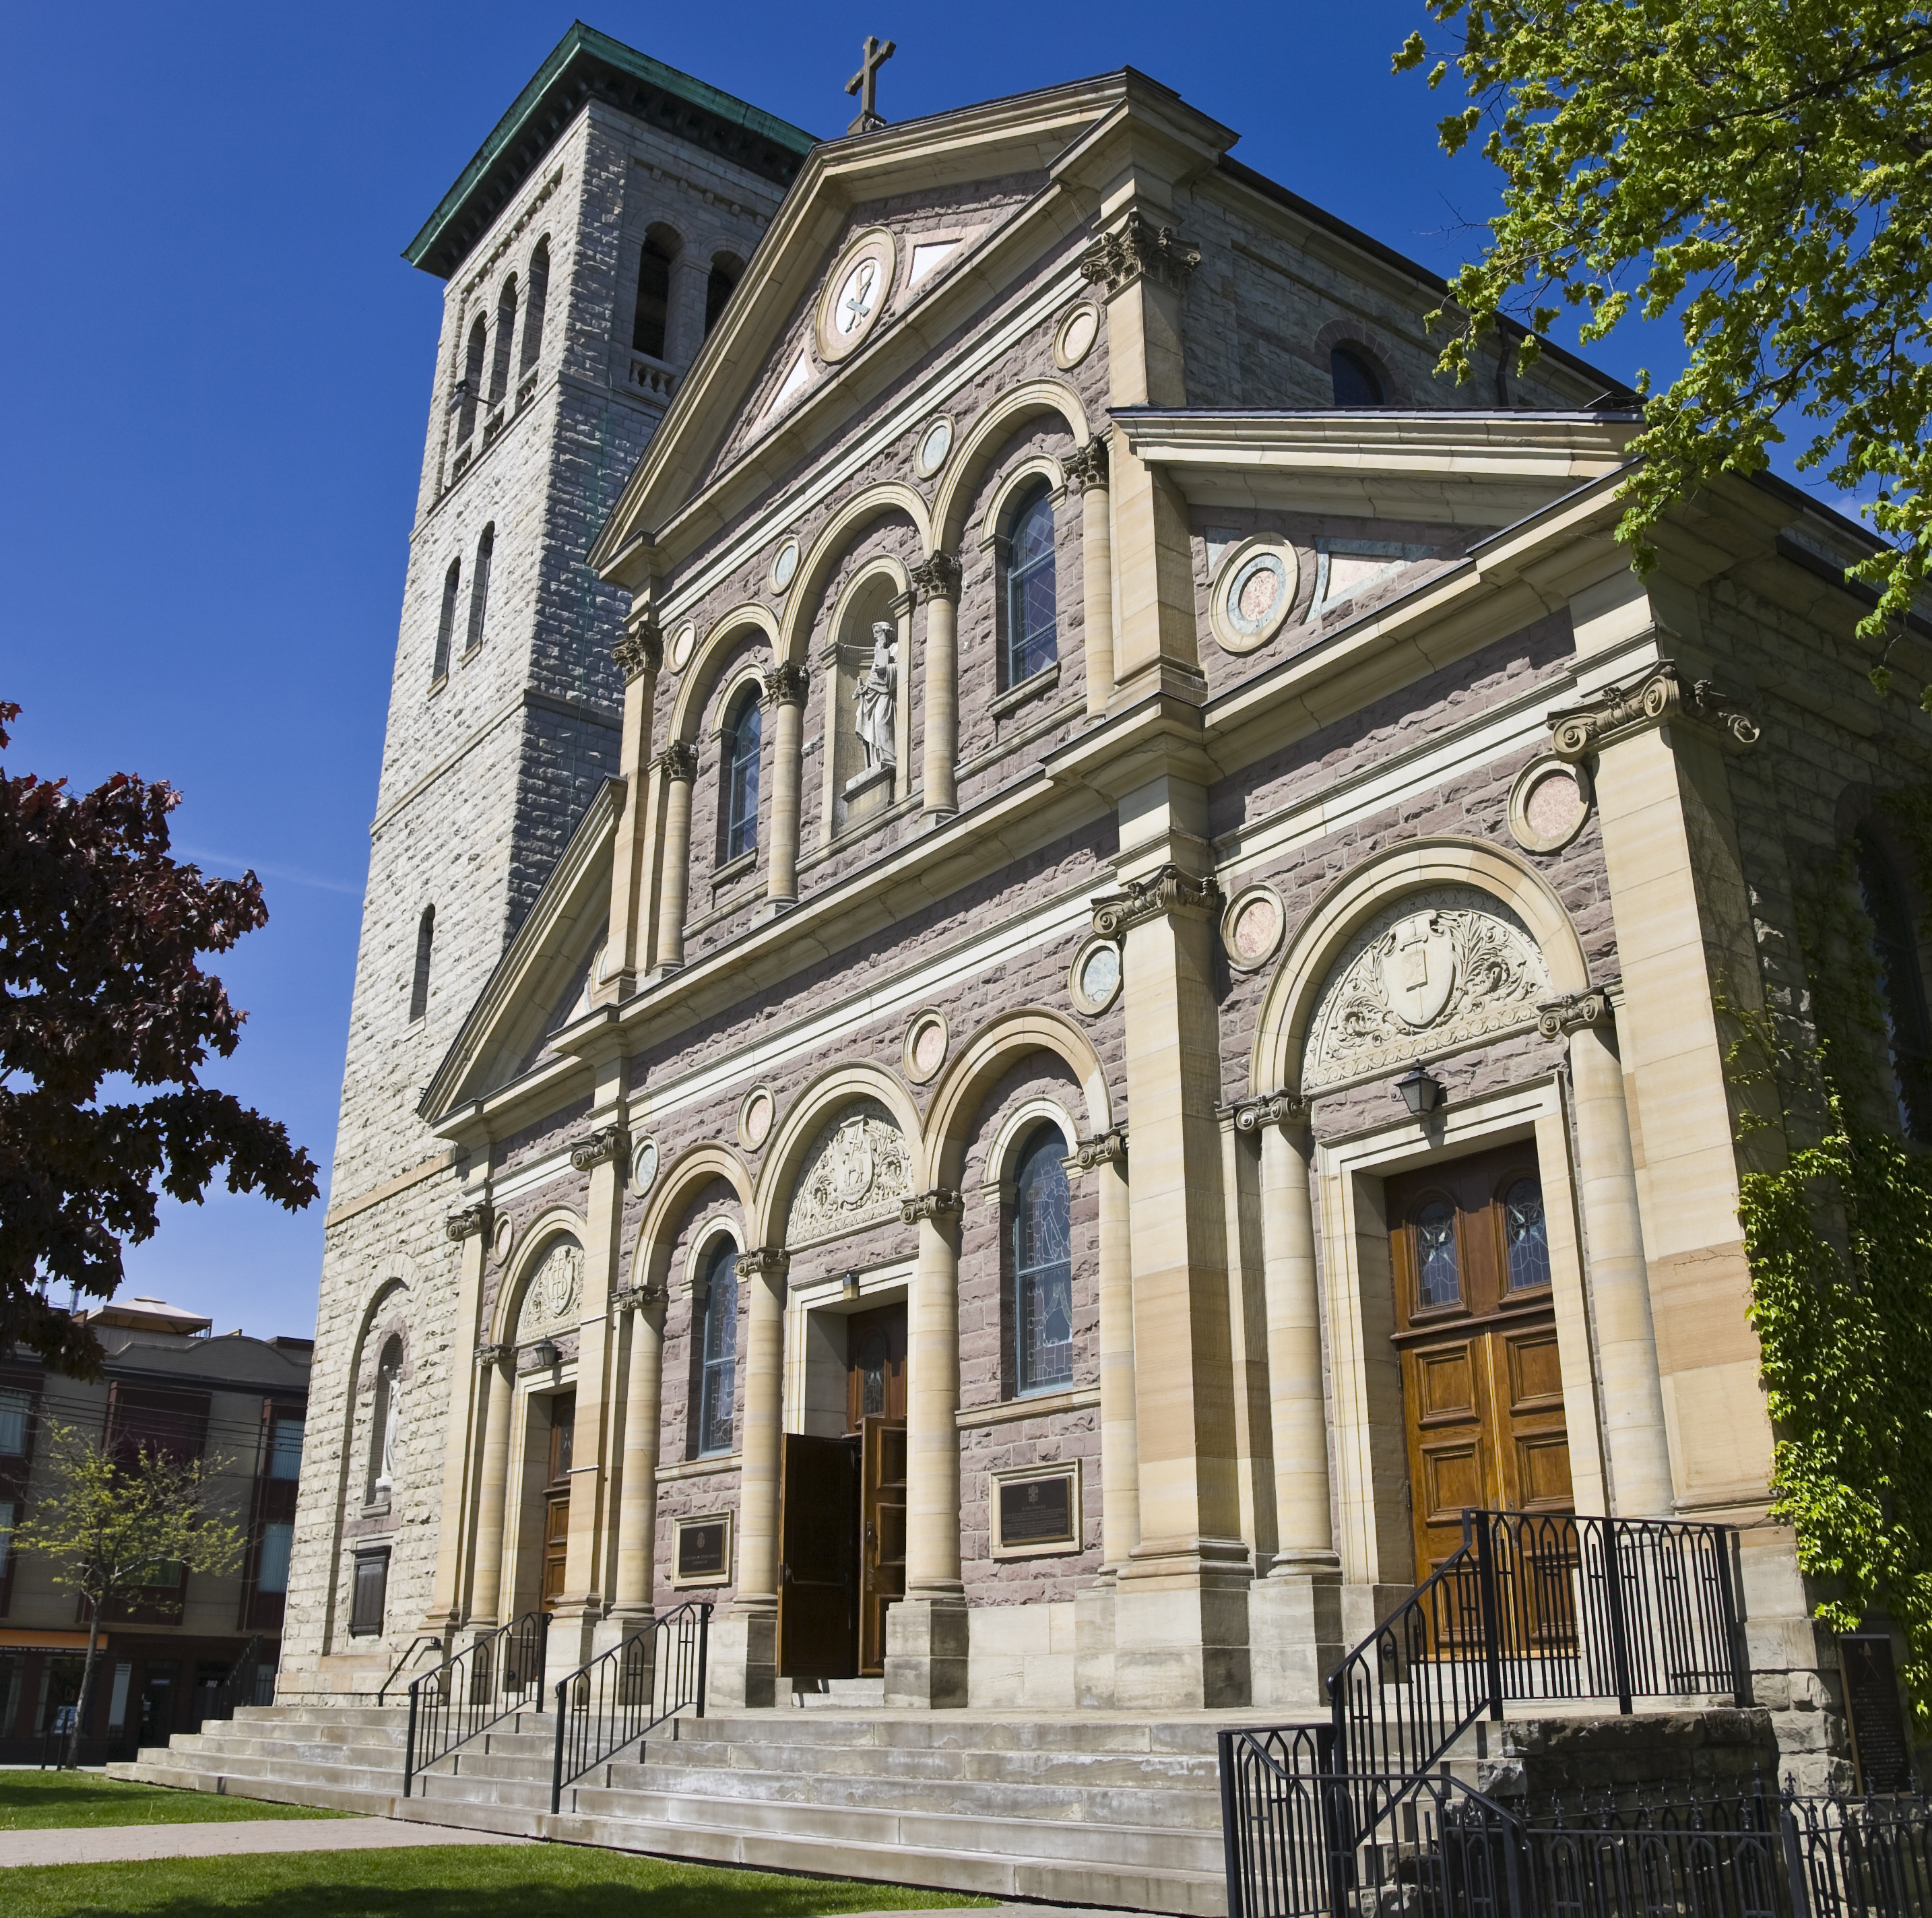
[785, 688]
[926, 1632]
[643, 1309]
[640, 654]
[1087, 469]
[936, 580]
[1181, 1628]
[1637, 1471]
[684, 317]
[495, 1363]
[678, 767]
[1296, 1614]
[470, 1229]
[744, 1643]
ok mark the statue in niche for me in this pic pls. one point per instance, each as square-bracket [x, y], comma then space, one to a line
[875, 700]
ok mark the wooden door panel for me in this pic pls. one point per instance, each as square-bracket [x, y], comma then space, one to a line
[1446, 1388]
[556, 1547]
[875, 1376]
[818, 1546]
[882, 1536]
[1543, 1471]
[1533, 1371]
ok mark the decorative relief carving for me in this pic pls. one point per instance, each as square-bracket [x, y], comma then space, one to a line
[1273, 1109]
[1137, 247]
[487, 1355]
[641, 650]
[471, 1219]
[764, 1262]
[787, 683]
[553, 1293]
[1168, 891]
[1656, 698]
[639, 1299]
[1437, 969]
[937, 576]
[680, 760]
[941, 1202]
[860, 1173]
[1087, 465]
[1105, 1148]
[607, 1143]
[1557, 1018]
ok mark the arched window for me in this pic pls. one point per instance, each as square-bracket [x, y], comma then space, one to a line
[1042, 1267]
[446, 628]
[1438, 1269]
[385, 1422]
[1526, 1235]
[1895, 951]
[419, 985]
[533, 305]
[718, 1349]
[647, 330]
[506, 331]
[1356, 382]
[479, 587]
[473, 378]
[726, 270]
[1032, 594]
[739, 769]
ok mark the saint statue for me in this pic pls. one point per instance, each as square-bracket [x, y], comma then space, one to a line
[873, 702]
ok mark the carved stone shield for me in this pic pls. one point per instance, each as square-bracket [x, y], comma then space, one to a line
[1419, 970]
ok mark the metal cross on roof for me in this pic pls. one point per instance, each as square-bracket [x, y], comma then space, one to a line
[865, 81]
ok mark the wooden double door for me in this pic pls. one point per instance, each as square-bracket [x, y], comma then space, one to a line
[1476, 1328]
[556, 1499]
[841, 1525]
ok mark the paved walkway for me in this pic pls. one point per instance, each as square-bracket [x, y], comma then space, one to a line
[116, 1844]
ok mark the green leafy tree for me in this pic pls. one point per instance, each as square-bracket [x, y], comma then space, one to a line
[100, 992]
[1762, 169]
[113, 1518]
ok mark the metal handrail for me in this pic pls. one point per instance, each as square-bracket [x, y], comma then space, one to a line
[416, 1644]
[622, 1693]
[483, 1682]
[241, 1675]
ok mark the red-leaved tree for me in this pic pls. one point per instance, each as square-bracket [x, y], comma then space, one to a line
[100, 931]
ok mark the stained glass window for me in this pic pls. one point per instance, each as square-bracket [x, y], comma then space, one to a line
[1042, 1266]
[742, 737]
[1032, 600]
[1438, 1275]
[1526, 1235]
[721, 1349]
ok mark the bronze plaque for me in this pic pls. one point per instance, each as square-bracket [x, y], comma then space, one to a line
[1878, 1744]
[1037, 1511]
[703, 1550]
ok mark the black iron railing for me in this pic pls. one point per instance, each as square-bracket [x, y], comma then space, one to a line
[626, 1691]
[239, 1687]
[422, 1641]
[499, 1673]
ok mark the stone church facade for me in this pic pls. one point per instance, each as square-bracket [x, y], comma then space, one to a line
[1078, 917]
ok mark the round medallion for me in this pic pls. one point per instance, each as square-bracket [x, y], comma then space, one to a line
[1549, 804]
[856, 292]
[755, 1117]
[684, 642]
[934, 443]
[644, 1165]
[1095, 980]
[502, 1237]
[925, 1042]
[1074, 337]
[784, 565]
[1253, 591]
[1251, 928]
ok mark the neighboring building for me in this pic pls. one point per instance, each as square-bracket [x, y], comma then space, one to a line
[914, 1032]
[167, 1386]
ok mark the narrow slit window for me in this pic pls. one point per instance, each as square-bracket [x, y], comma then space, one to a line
[719, 285]
[653, 314]
[1033, 608]
[743, 735]
[506, 331]
[425, 944]
[479, 589]
[533, 305]
[1042, 1267]
[445, 629]
[718, 1395]
[472, 380]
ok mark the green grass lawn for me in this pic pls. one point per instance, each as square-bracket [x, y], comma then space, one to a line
[34, 1801]
[440, 1881]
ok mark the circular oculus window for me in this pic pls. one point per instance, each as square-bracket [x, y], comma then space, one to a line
[784, 565]
[644, 1165]
[683, 644]
[855, 294]
[1549, 804]
[1251, 928]
[934, 443]
[925, 1042]
[755, 1114]
[1254, 591]
[1094, 982]
[1073, 340]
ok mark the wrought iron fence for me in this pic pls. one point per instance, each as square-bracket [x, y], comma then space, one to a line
[486, 1681]
[625, 1692]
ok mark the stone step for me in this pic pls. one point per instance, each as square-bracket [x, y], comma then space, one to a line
[961, 1730]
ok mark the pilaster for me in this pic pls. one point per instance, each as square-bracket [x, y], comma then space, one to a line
[640, 654]
[744, 1641]
[462, 1427]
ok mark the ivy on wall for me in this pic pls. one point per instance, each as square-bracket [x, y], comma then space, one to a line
[1839, 1237]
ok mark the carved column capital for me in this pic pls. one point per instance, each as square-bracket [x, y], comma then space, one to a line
[468, 1222]
[787, 683]
[1557, 1018]
[1169, 891]
[941, 1202]
[639, 1299]
[487, 1355]
[764, 1262]
[679, 760]
[606, 1143]
[1104, 1149]
[1282, 1109]
[1088, 466]
[1658, 697]
[936, 577]
[1137, 249]
[641, 650]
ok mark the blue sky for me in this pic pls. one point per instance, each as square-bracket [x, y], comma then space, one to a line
[219, 369]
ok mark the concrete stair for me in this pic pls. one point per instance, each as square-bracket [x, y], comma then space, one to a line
[1102, 1809]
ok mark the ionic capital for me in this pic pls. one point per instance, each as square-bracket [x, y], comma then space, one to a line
[786, 683]
[1168, 891]
[639, 1299]
[487, 1355]
[1104, 1149]
[937, 576]
[1658, 697]
[641, 650]
[1557, 1018]
[680, 760]
[1282, 1109]
[1137, 249]
[764, 1262]
[1087, 465]
[606, 1143]
[468, 1222]
[941, 1202]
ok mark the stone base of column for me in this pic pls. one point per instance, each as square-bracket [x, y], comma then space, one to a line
[1094, 1683]
[571, 1642]
[1180, 1630]
[925, 1654]
[1294, 1636]
[1364, 1607]
[618, 1626]
[742, 1667]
